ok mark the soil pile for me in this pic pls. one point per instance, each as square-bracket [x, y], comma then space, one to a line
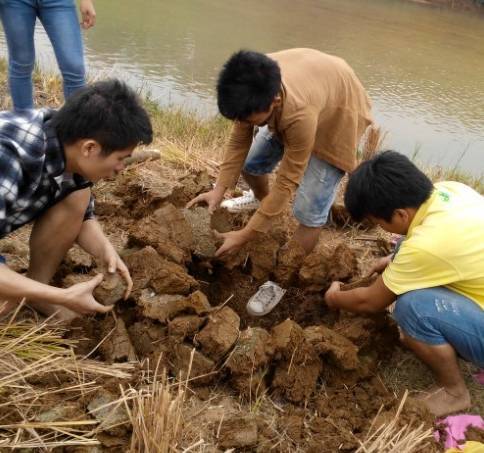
[187, 309]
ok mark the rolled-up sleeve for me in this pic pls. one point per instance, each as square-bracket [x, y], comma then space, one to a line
[90, 209]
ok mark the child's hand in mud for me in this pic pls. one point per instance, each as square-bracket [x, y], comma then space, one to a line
[79, 297]
[330, 294]
[232, 241]
[114, 263]
[212, 199]
[380, 264]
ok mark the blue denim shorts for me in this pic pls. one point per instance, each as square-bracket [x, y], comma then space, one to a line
[317, 190]
[441, 316]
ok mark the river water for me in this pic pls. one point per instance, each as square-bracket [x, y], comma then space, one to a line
[423, 67]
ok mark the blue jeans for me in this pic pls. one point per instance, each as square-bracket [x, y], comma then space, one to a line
[439, 315]
[60, 21]
[317, 190]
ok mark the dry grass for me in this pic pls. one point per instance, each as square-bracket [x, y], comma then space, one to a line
[393, 438]
[157, 415]
[30, 353]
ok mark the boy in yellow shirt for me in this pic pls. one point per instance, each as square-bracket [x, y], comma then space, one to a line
[437, 274]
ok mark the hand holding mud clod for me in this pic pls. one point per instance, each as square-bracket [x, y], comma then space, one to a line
[80, 297]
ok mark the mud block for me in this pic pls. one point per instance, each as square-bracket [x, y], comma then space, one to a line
[200, 366]
[328, 342]
[249, 386]
[113, 418]
[117, 346]
[149, 269]
[289, 261]
[238, 432]
[219, 334]
[204, 242]
[253, 350]
[297, 382]
[184, 326]
[111, 289]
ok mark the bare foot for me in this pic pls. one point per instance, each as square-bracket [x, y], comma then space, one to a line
[441, 401]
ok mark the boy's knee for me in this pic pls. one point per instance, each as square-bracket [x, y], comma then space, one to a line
[405, 307]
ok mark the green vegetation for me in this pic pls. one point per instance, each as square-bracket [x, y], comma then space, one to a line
[188, 140]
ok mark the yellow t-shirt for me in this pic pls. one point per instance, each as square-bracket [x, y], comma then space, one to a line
[469, 447]
[444, 245]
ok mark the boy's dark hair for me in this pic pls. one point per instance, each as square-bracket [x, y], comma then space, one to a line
[384, 183]
[248, 83]
[109, 112]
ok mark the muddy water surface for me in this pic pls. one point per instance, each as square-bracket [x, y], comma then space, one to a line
[423, 67]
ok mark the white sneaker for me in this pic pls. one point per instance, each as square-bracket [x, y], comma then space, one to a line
[247, 202]
[265, 299]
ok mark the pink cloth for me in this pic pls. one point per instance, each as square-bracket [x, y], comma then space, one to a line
[479, 377]
[456, 427]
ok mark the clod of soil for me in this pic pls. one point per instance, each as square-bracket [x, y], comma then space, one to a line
[61, 412]
[219, 334]
[154, 231]
[297, 382]
[201, 368]
[167, 306]
[289, 261]
[253, 350]
[117, 345]
[108, 292]
[147, 337]
[183, 327]
[262, 254]
[204, 241]
[76, 258]
[297, 373]
[250, 386]
[328, 342]
[238, 432]
[189, 186]
[145, 187]
[111, 289]
[321, 267]
[149, 270]
[291, 345]
[343, 263]
[112, 416]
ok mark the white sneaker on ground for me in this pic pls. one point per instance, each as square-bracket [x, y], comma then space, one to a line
[265, 299]
[247, 202]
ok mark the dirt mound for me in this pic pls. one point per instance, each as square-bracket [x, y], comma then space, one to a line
[187, 312]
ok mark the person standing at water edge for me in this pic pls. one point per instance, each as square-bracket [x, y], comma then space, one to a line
[61, 24]
[311, 111]
[48, 162]
[437, 274]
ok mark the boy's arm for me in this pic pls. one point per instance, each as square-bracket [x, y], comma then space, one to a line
[14, 287]
[235, 153]
[371, 299]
